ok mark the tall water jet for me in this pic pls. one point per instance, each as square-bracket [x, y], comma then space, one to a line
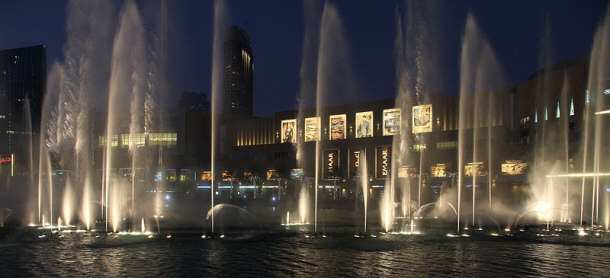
[400, 142]
[417, 59]
[307, 95]
[155, 96]
[68, 202]
[364, 183]
[32, 186]
[304, 205]
[479, 72]
[542, 192]
[66, 124]
[87, 70]
[386, 209]
[216, 87]
[562, 114]
[598, 84]
[333, 75]
[116, 204]
[127, 77]
[160, 185]
[86, 213]
[491, 108]
[50, 140]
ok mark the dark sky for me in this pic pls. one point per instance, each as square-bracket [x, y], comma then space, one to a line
[514, 29]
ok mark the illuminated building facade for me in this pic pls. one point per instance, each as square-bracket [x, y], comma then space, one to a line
[502, 137]
[22, 86]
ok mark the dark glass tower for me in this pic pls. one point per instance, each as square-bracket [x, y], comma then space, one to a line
[237, 76]
[22, 85]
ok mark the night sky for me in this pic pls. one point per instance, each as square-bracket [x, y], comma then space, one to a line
[514, 29]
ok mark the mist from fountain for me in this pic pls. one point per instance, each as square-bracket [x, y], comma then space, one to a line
[133, 76]
[67, 124]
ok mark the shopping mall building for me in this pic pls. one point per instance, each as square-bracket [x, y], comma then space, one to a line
[414, 140]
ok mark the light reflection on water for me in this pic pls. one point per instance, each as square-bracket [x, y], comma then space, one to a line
[281, 255]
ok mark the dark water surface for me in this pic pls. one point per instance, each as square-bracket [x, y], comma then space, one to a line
[293, 254]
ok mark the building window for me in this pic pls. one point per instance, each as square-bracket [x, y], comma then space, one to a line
[446, 145]
[140, 140]
[419, 147]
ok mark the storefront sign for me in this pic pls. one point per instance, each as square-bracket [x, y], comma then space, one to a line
[383, 162]
[330, 164]
[357, 158]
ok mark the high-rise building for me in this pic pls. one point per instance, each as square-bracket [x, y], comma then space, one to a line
[237, 77]
[193, 102]
[22, 86]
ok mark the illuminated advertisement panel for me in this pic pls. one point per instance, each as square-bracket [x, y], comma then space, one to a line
[391, 121]
[228, 176]
[439, 170]
[383, 162]
[206, 176]
[337, 127]
[312, 129]
[514, 167]
[297, 173]
[330, 164]
[422, 118]
[289, 128]
[272, 174]
[364, 124]
[355, 159]
[407, 172]
[476, 168]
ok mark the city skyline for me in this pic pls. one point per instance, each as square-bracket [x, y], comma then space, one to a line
[277, 32]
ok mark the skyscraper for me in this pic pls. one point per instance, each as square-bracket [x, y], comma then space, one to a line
[22, 84]
[237, 76]
[193, 102]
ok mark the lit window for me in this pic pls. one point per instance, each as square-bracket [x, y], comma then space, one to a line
[446, 145]
[419, 147]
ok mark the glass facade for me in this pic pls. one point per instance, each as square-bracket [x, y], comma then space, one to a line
[140, 140]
